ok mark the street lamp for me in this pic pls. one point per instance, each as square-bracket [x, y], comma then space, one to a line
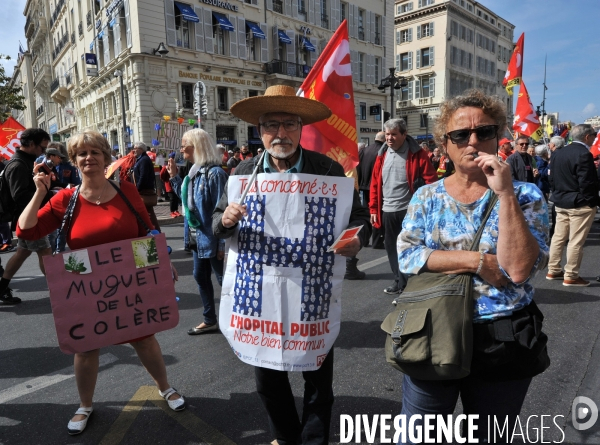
[395, 83]
[119, 74]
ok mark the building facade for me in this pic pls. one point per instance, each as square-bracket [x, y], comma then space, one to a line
[23, 77]
[83, 49]
[444, 47]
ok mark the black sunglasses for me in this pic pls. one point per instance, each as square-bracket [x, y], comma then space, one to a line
[484, 133]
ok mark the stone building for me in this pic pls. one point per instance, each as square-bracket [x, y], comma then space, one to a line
[82, 49]
[444, 47]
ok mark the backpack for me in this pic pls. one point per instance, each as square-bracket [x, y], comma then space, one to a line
[7, 203]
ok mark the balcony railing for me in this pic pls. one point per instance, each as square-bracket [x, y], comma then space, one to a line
[54, 85]
[80, 29]
[60, 46]
[56, 12]
[68, 79]
[72, 38]
[28, 22]
[287, 68]
[39, 111]
[88, 18]
[361, 33]
[278, 6]
[377, 39]
[325, 21]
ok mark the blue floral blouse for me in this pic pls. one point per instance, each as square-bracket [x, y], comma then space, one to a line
[436, 221]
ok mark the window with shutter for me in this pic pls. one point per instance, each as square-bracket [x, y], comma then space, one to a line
[431, 56]
[241, 32]
[127, 24]
[418, 58]
[432, 86]
[233, 45]
[199, 29]
[264, 45]
[209, 45]
[170, 22]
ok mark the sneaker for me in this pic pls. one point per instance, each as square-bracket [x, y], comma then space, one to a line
[578, 282]
[177, 213]
[555, 276]
[6, 297]
[173, 214]
[393, 289]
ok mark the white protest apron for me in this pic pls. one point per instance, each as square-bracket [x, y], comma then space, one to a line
[281, 298]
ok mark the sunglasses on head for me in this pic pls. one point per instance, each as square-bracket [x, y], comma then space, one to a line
[484, 133]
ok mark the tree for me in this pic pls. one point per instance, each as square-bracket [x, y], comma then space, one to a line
[11, 97]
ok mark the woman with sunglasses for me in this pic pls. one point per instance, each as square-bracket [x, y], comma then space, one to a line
[441, 222]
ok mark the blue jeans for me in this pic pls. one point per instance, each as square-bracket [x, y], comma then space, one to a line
[478, 396]
[202, 275]
[275, 392]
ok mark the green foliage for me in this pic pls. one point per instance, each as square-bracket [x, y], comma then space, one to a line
[73, 265]
[11, 97]
[152, 253]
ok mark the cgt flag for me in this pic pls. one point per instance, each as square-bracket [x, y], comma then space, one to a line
[514, 72]
[595, 148]
[330, 82]
[526, 120]
[10, 137]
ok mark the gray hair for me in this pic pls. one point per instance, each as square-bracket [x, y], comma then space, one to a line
[558, 142]
[523, 137]
[361, 145]
[380, 136]
[541, 150]
[579, 132]
[395, 124]
[205, 150]
[140, 145]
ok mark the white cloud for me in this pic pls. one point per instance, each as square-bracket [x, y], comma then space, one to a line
[589, 109]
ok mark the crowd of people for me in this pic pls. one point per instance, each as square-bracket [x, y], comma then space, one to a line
[422, 203]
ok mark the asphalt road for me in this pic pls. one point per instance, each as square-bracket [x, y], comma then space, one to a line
[38, 393]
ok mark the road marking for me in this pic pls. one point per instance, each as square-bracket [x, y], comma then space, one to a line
[189, 421]
[373, 263]
[42, 382]
[33, 277]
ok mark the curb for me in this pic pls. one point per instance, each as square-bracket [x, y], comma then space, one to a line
[169, 221]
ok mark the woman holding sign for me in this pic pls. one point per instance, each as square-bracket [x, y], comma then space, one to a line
[97, 216]
[200, 192]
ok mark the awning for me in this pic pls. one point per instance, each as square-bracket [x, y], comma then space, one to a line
[187, 13]
[255, 141]
[112, 23]
[226, 142]
[101, 34]
[307, 45]
[224, 22]
[283, 37]
[92, 46]
[256, 31]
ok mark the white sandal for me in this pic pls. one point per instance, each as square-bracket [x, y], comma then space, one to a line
[175, 405]
[78, 427]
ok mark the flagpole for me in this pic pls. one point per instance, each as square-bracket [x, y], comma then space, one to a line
[544, 102]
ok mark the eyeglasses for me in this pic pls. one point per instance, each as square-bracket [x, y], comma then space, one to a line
[273, 126]
[484, 133]
[523, 143]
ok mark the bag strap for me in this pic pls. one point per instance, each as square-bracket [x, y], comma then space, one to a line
[133, 210]
[486, 216]
[65, 226]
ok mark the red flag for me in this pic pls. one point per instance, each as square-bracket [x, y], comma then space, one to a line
[526, 120]
[10, 137]
[514, 72]
[330, 82]
[595, 149]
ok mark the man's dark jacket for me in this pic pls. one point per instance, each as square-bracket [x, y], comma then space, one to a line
[19, 177]
[367, 157]
[573, 178]
[143, 172]
[314, 163]
[517, 166]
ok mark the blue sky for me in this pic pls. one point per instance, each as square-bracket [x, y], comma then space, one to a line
[564, 31]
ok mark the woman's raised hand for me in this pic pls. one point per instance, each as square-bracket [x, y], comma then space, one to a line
[41, 179]
[172, 167]
[497, 172]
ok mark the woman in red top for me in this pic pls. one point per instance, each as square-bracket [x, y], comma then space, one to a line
[99, 217]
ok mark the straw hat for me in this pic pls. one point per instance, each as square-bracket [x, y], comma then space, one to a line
[280, 99]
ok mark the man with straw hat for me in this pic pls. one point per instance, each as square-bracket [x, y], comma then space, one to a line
[279, 116]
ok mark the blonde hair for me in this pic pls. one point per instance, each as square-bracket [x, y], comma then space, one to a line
[92, 139]
[205, 150]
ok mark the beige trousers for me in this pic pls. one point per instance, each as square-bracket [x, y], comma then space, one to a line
[572, 226]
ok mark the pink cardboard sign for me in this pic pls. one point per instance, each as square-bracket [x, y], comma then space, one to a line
[111, 293]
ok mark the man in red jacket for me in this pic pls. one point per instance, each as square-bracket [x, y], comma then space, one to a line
[401, 167]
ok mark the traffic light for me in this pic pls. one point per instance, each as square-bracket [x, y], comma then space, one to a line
[204, 107]
[196, 108]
